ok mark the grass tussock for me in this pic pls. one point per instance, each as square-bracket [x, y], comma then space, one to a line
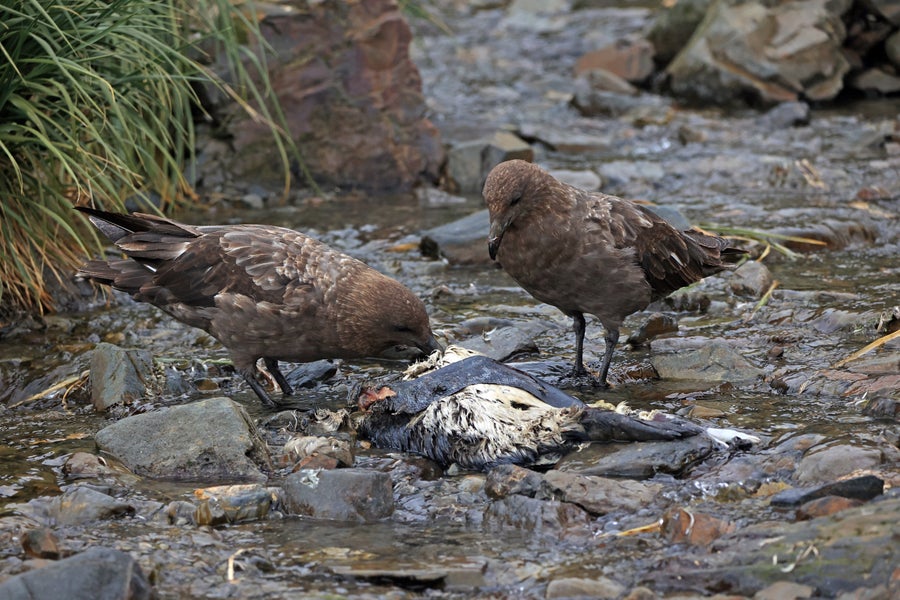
[97, 104]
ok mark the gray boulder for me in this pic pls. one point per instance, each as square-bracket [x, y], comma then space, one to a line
[95, 574]
[210, 440]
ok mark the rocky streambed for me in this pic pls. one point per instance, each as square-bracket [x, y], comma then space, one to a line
[184, 486]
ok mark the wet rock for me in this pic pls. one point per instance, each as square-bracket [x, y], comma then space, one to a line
[621, 171]
[892, 48]
[672, 215]
[95, 574]
[734, 53]
[599, 495]
[562, 140]
[593, 100]
[119, 375]
[86, 465]
[40, 542]
[691, 135]
[506, 480]
[506, 342]
[831, 320]
[784, 115]
[542, 518]
[699, 529]
[833, 462]
[827, 505]
[460, 242]
[601, 80]
[307, 375]
[233, 504]
[478, 326]
[673, 25]
[351, 96]
[432, 196]
[302, 448]
[342, 494]
[180, 512]
[210, 440]
[876, 80]
[718, 361]
[585, 180]
[657, 324]
[630, 58]
[469, 163]
[688, 300]
[863, 488]
[76, 505]
[637, 460]
[536, 15]
[752, 279]
[834, 553]
[462, 575]
[889, 9]
[699, 411]
[882, 408]
[784, 590]
[579, 587]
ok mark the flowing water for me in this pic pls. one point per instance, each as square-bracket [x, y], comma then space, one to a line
[827, 305]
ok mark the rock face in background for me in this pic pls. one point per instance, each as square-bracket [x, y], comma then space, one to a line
[351, 95]
[733, 51]
[673, 27]
[772, 54]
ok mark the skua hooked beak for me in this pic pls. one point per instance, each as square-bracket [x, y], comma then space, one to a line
[495, 237]
[430, 346]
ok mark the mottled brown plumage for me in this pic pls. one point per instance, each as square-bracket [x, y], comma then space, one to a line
[262, 291]
[587, 252]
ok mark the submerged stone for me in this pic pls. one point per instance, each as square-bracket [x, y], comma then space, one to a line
[75, 506]
[508, 479]
[599, 495]
[544, 518]
[717, 361]
[340, 494]
[504, 343]
[233, 503]
[601, 588]
[640, 460]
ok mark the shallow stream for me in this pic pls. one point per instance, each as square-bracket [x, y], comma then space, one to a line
[827, 305]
